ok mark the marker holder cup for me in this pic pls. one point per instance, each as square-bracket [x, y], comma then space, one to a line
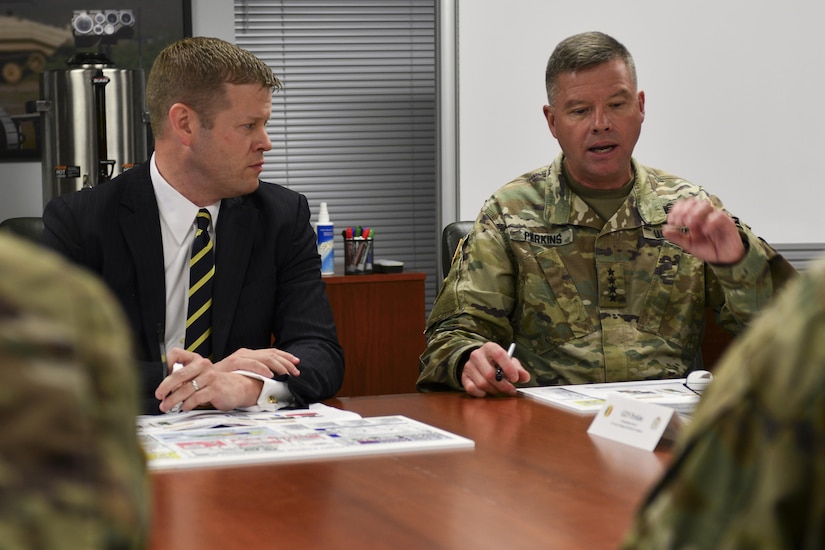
[357, 256]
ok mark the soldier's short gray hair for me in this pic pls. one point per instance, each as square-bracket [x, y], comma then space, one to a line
[581, 51]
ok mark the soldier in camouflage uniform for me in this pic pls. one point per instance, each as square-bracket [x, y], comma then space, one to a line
[598, 268]
[749, 470]
[72, 474]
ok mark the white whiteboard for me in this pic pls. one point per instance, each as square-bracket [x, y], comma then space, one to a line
[735, 98]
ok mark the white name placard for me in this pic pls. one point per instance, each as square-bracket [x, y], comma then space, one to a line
[634, 422]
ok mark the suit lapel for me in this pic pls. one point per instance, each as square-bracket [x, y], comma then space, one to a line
[235, 235]
[140, 226]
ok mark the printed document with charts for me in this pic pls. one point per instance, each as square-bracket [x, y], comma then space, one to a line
[589, 398]
[204, 438]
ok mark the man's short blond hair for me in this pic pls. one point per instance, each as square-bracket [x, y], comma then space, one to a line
[194, 71]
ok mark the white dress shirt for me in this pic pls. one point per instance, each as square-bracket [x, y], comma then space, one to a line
[177, 229]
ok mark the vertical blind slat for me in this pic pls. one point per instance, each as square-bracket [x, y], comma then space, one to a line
[355, 123]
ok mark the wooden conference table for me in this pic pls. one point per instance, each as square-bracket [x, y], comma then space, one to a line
[535, 479]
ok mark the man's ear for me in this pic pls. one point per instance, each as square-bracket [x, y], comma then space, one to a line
[641, 100]
[182, 122]
[550, 116]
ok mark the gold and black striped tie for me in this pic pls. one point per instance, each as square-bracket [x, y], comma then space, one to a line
[201, 276]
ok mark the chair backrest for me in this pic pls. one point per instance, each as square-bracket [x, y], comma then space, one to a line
[451, 235]
[30, 227]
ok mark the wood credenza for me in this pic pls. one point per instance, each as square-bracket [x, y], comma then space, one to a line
[380, 323]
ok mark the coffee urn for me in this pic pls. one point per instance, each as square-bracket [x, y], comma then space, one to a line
[94, 123]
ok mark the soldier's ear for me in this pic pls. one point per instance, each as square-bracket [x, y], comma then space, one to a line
[550, 117]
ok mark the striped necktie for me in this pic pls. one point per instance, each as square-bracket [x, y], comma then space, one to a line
[201, 276]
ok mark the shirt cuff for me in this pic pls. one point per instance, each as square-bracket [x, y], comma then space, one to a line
[274, 394]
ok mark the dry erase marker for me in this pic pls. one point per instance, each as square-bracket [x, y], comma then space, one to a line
[499, 372]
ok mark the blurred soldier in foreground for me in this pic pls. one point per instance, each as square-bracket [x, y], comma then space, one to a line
[749, 471]
[72, 474]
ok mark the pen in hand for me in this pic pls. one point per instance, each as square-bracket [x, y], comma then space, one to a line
[499, 372]
[162, 345]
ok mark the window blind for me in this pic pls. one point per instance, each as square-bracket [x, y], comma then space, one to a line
[355, 124]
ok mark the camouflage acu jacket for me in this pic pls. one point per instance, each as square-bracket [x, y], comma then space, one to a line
[749, 470]
[72, 472]
[584, 300]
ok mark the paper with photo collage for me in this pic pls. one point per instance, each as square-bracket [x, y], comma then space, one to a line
[214, 439]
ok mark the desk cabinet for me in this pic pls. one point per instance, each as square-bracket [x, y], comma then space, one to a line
[380, 323]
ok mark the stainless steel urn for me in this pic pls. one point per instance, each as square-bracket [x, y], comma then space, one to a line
[94, 123]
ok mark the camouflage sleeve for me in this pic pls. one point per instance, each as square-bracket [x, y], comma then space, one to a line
[749, 471]
[465, 314]
[738, 293]
[72, 470]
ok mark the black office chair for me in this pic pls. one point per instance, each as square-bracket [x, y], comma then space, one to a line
[28, 227]
[451, 235]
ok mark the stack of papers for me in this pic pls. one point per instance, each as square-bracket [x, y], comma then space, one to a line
[204, 438]
[589, 398]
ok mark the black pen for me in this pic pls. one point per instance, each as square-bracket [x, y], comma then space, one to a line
[499, 372]
[162, 346]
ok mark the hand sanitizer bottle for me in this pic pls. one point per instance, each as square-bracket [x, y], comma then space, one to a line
[325, 231]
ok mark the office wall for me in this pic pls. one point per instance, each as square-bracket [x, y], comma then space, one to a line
[735, 98]
[21, 191]
[214, 18]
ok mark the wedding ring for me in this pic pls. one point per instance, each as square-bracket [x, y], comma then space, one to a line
[195, 385]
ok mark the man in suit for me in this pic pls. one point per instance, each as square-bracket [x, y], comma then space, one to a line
[209, 102]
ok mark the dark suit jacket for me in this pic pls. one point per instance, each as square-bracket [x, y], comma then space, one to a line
[267, 275]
